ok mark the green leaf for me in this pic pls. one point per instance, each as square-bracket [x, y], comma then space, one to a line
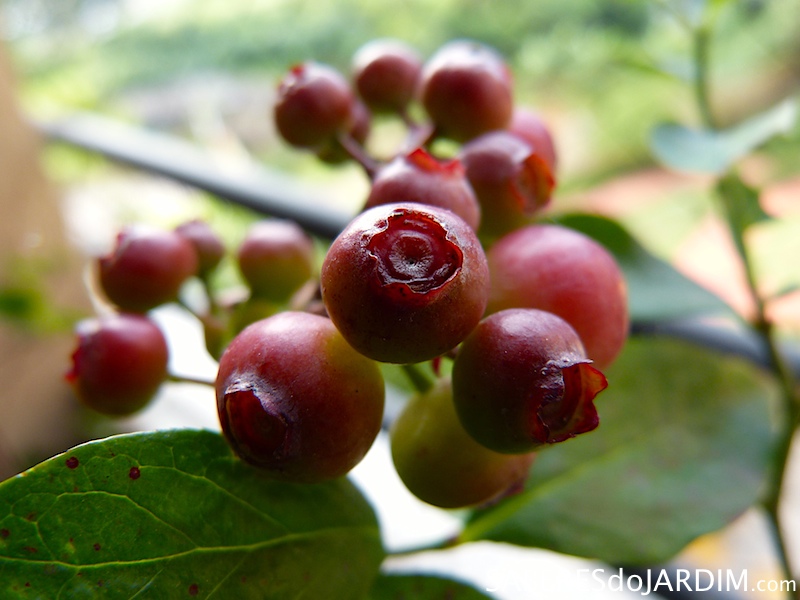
[656, 290]
[174, 514]
[708, 151]
[683, 448]
[423, 587]
[742, 207]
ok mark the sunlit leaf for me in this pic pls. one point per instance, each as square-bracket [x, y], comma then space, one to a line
[683, 447]
[708, 151]
[174, 514]
[423, 587]
[655, 289]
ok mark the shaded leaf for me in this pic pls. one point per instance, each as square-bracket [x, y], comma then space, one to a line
[741, 205]
[655, 289]
[423, 587]
[683, 448]
[708, 151]
[174, 514]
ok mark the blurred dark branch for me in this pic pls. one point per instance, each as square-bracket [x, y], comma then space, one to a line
[263, 190]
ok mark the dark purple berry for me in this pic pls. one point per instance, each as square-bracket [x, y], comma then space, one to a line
[521, 380]
[386, 73]
[146, 268]
[296, 400]
[314, 104]
[466, 89]
[405, 282]
[119, 363]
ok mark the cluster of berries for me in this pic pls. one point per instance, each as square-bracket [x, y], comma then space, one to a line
[445, 263]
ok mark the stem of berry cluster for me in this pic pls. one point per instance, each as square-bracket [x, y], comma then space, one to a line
[421, 382]
[761, 324]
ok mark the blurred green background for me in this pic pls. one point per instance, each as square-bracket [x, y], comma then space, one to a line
[602, 72]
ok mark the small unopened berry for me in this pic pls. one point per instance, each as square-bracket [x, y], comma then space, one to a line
[420, 177]
[466, 89]
[314, 104]
[440, 463]
[146, 268]
[405, 282]
[276, 257]
[296, 400]
[521, 380]
[119, 363]
[209, 247]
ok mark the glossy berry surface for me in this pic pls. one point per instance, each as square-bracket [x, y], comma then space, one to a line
[314, 104]
[207, 244]
[146, 268]
[296, 400]
[565, 272]
[405, 282]
[511, 181]
[521, 380]
[119, 363]
[466, 90]
[440, 463]
[386, 73]
[420, 177]
[275, 258]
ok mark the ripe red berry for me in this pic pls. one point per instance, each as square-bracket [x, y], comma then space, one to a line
[209, 247]
[296, 400]
[405, 282]
[530, 126]
[511, 181]
[276, 257]
[440, 463]
[146, 268]
[521, 380]
[314, 104]
[565, 272]
[119, 363]
[466, 90]
[385, 74]
[419, 177]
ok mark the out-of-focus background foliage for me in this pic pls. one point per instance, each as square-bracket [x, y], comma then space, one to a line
[603, 72]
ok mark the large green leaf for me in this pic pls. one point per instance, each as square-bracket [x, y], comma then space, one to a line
[174, 514]
[683, 447]
[656, 290]
[711, 151]
[423, 587]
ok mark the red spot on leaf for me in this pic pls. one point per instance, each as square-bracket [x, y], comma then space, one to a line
[134, 473]
[30, 549]
[96, 546]
[193, 589]
[72, 462]
[31, 516]
[4, 533]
